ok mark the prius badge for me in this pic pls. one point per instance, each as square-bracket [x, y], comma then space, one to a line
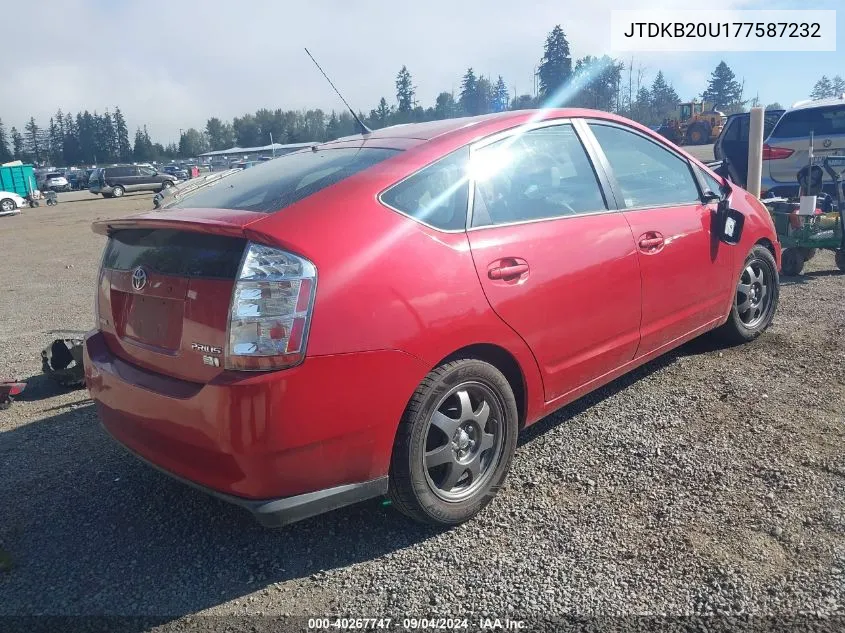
[209, 352]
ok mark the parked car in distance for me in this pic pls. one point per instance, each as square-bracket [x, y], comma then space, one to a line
[383, 314]
[176, 171]
[11, 203]
[732, 144]
[245, 164]
[786, 149]
[55, 181]
[113, 182]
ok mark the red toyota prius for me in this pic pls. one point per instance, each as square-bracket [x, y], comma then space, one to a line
[383, 313]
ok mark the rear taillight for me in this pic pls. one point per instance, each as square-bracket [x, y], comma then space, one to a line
[776, 153]
[271, 310]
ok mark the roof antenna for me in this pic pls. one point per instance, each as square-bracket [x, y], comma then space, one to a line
[364, 129]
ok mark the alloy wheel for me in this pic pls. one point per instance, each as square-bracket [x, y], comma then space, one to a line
[753, 296]
[464, 441]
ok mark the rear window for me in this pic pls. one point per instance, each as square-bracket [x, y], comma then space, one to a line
[172, 252]
[737, 127]
[279, 183]
[822, 122]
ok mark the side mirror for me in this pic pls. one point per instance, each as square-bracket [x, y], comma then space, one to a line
[728, 222]
[708, 197]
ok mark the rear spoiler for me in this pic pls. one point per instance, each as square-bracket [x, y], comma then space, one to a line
[209, 221]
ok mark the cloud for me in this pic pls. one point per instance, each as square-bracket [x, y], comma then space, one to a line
[172, 65]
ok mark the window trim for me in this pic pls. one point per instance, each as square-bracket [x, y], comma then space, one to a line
[617, 190]
[593, 158]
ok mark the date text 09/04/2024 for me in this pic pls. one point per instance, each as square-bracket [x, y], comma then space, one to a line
[416, 624]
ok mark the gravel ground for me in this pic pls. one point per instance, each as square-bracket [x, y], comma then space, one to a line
[711, 481]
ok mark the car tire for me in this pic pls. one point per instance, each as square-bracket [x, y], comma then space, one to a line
[808, 253]
[7, 204]
[792, 262]
[167, 184]
[117, 191]
[840, 259]
[454, 444]
[755, 299]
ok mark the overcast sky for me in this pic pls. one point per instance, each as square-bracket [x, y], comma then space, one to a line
[173, 65]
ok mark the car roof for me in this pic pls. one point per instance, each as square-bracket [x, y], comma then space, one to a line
[408, 135]
[818, 103]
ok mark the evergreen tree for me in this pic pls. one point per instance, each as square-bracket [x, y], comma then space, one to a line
[501, 96]
[55, 142]
[822, 89]
[107, 139]
[34, 141]
[469, 92]
[5, 152]
[641, 109]
[17, 143]
[123, 147]
[333, 126]
[837, 86]
[556, 67]
[139, 151]
[380, 117]
[723, 90]
[662, 98]
[404, 91]
[774, 106]
[445, 106]
[71, 154]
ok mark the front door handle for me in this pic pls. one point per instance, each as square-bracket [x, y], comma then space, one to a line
[507, 269]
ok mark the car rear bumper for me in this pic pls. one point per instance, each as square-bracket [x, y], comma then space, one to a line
[284, 444]
[273, 513]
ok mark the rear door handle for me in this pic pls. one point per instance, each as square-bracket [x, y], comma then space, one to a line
[507, 268]
[507, 272]
[651, 241]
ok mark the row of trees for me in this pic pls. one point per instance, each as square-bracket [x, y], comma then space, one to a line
[825, 88]
[601, 83]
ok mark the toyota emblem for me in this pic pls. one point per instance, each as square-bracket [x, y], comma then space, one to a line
[139, 278]
[827, 142]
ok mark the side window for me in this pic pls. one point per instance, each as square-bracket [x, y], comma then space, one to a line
[539, 174]
[648, 174]
[146, 171]
[436, 195]
[710, 183]
[732, 131]
[744, 124]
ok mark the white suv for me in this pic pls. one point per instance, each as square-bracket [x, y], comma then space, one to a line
[786, 150]
[55, 182]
